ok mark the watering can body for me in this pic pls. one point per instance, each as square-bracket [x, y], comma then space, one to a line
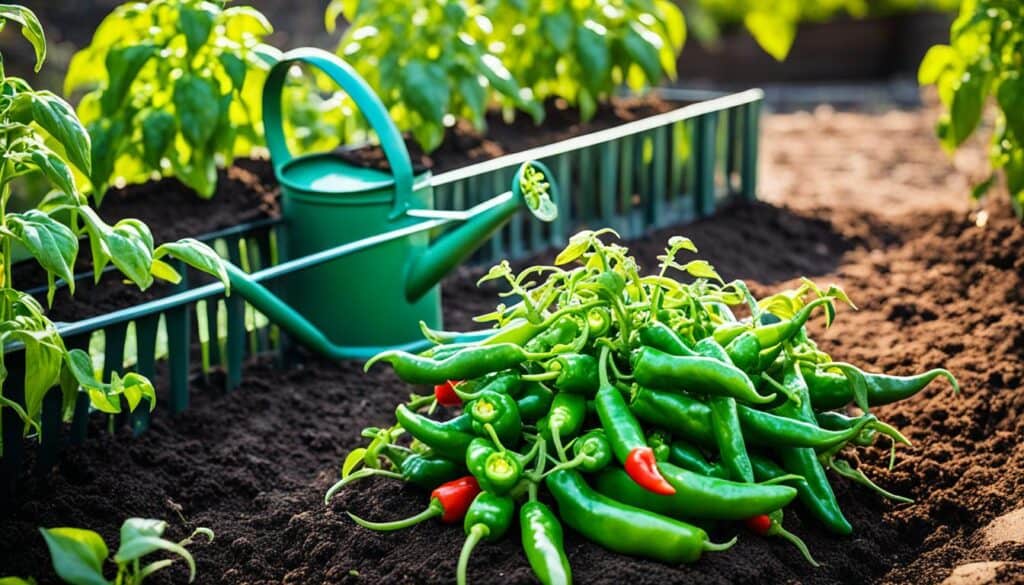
[379, 295]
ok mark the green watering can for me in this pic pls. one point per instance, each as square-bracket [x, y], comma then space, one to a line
[365, 237]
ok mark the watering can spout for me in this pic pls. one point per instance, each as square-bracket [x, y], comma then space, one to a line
[532, 188]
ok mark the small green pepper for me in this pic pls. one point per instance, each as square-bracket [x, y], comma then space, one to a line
[689, 457]
[534, 401]
[496, 471]
[499, 411]
[593, 451]
[561, 332]
[448, 439]
[662, 337]
[488, 519]
[543, 543]
[577, 373]
[830, 391]
[469, 363]
[565, 419]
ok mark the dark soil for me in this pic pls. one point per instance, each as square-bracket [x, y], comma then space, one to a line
[933, 289]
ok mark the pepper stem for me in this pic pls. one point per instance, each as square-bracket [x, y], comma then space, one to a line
[782, 479]
[778, 530]
[434, 510]
[476, 534]
[493, 434]
[844, 469]
[542, 377]
[361, 474]
[715, 547]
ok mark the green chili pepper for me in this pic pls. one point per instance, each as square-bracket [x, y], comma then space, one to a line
[835, 421]
[690, 418]
[448, 439]
[710, 348]
[496, 471]
[627, 440]
[626, 529]
[519, 331]
[593, 451]
[600, 321]
[488, 519]
[577, 373]
[819, 497]
[507, 382]
[499, 411]
[662, 337]
[689, 457]
[728, 331]
[745, 351]
[697, 496]
[765, 470]
[564, 420]
[830, 391]
[426, 472]
[534, 401]
[725, 424]
[703, 375]
[467, 364]
[561, 332]
[659, 441]
[543, 543]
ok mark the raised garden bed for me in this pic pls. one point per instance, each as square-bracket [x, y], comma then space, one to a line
[254, 465]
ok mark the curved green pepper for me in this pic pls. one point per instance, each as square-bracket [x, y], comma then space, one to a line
[697, 496]
[593, 451]
[499, 411]
[662, 337]
[657, 369]
[448, 439]
[831, 391]
[689, 457]
[488, 519]
[467, 364]
[565, 419]
[543, 543]
[626, 529]
[534, 401]
[577, 373]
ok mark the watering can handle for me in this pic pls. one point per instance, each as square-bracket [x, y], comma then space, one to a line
[365, 99]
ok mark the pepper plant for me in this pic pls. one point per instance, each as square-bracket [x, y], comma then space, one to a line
[429, 61]
[40, 134]
[985, 59]
[583, 51]
[78, 555]
[173, 88]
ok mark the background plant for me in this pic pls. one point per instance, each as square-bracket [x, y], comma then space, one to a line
[435, 62]
[78, 554]
[985, 59]
[429, 61]
[173, 88]
[584, 51]
[40, 135]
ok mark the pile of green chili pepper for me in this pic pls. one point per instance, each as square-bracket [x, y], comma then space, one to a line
[637, 410]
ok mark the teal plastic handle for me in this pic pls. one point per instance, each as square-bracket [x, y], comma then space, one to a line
[365, 99]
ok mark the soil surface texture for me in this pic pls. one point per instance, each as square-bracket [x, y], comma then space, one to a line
[936, 283]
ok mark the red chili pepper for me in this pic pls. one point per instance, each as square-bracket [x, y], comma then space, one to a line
[449, 501]
[455, 497]
[642, 466]
[445, 394]
[760, 524]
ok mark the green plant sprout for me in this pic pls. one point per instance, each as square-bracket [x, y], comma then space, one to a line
[173, 89]
[78, 555]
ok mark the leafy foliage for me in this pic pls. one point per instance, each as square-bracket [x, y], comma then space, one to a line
[78, 554]
[773, 23]
[434, 62]
[985, 58]
[40, 135]
[173, 88]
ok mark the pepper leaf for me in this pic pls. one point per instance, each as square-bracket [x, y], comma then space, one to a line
[196, 24]
[354, 458]
[30, 29]
[55, 116]
[123, 66]
[195, 100]
[197, 255]
[158, 131]
[50, 242]
[77, 555]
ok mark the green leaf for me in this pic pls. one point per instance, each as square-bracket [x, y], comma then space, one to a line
[701, 269]
[773, 31]
[158, 131]
[966, 109]
[55, 116]
[352, 460]
[1011, 100]
[235, 68]
[50, 242]
[30, 29]
[123, 66]
[140, 537]
[164, 271]
[195, 100]
[16, 581]
[937, 61]
[474, 95]
[425, 89]
[674, 22]
[498, 76]
[245, 22]
[77, 555]
[979, 190]
[643, 47]
[593, 54]
[197, 255]
[130, 245]
[106, 136]
[55, 169]
[134, 387]
[557, 28]
[578, 244]
[196, 23]
[44, 374]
